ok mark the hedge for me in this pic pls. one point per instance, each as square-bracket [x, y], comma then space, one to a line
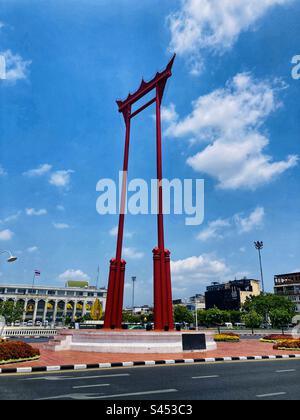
[16, 350]
[274, 338]
[228, 337]
[287, 345]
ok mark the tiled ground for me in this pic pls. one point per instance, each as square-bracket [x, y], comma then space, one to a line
[244, 348]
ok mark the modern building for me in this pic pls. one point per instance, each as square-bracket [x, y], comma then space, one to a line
[232, 295]
[54, 304]
[288, 285]
[192, 303]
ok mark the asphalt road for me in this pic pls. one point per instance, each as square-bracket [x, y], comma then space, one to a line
[278, 380]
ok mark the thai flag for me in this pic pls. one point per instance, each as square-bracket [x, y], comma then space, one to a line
[37, 273]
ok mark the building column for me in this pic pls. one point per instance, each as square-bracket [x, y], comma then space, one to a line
[74, 311]
[55, 311]
[84, 308]
[65, 312]
[25, 310]
[45, 311]
[36, 302]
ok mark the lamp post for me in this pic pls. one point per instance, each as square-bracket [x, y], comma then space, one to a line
[11, 257]
[259, 245]
[133, 286]
[196, 305]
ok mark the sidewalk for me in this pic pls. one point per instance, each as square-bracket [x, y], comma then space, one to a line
[244, 349]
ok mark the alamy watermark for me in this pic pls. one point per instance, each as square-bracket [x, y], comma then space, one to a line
[296, 68]
[180, 197]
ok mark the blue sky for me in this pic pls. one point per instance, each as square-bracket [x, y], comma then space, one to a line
[231, 114]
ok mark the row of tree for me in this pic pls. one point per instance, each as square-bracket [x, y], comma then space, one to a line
[277, 310]
[266, 308]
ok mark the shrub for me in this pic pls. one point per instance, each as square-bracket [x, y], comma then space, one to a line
[274, 338]
[287, 345]
[230, 337]
[15, 350]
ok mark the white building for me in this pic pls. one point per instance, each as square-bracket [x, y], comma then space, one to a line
[288, 285]
[54, 304]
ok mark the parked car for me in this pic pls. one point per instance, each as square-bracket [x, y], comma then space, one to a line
[38, 323]
[30, 324]
[17, 324]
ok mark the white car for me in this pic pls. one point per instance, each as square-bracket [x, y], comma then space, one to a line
[30, 324]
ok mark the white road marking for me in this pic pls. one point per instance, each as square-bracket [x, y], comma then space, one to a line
[71, 378]
[90, 386]
[206, 377]
[277, 394]
[286, 371]
[133, 394]
[101, 396]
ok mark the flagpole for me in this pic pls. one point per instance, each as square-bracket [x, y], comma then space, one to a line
[98, 274]
[33, 280]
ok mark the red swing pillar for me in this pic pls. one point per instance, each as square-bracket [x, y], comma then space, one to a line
[163, 304]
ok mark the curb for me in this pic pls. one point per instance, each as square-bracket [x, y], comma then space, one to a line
[42, 369]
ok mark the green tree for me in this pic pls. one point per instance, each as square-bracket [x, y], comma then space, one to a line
[12, 311]
[252, 320]
[280, 318]
[182, 314]
[266, 303]
[129, 318]
[216, 317]
[202, 318]
[235, 316]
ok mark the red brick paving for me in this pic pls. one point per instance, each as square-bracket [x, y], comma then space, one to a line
[244, 348]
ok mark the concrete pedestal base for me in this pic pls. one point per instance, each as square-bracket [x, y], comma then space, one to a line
[131, 342]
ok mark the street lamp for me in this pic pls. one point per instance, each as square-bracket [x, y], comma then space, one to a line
[133, 286]
[259, 245]
[11, 257]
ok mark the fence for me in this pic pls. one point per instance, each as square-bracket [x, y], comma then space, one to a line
[29, 332]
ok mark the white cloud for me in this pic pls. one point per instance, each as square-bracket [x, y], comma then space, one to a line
[198, 271]
[32, 249]
[61, 178]
[169, 114]
[61, 226]
[76, 275]
[6, 235]
[16, 67]
[239, 222]
[132, 254]
[11, 218]
[254, 220]
[230, 120]
[2, 171]
[60, 208]
[34, 212]
[213, 25]
[214, 230]
[40, 171]
[114, 232]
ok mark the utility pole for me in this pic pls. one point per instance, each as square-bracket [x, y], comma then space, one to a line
[98, 277]
[259, 245]
[133, 287]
